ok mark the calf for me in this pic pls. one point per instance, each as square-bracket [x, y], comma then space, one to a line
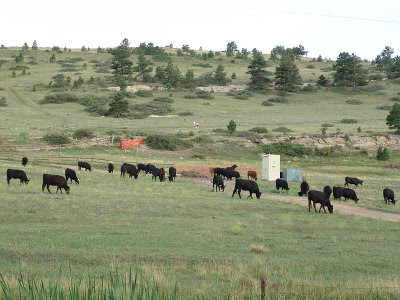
[304, 187]
[160, 173]
[24, 161]
[337, 192]
[352, 180]
[388, 196]
[171, 174]
[218, 182]
[328, 190]
[56, 180]
[319, 197]
[71, 174]
[110, 168]
[349, 194]
[84, 165]
[281, 183]
[143, 167]
[252, 175]
[246, 185]
[17, 174]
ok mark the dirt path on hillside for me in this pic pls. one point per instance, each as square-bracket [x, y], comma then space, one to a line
[338, 207]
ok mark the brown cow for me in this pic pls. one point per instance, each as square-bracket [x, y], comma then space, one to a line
[252, 174]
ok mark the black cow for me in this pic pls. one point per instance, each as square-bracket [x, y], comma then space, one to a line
[319, 197]
[123, 169]
[337, 192]
[349, 194]
[218, 182]
[110, 168]
[220, 171]
[143, 167]
[17, 174]
[84, 165]
[388, 196]
[171, 174]
[56, 180]
[160, 173]
[352, 180]
[24, 161]
[281, 183]
[151, 168]
[304, 187]
[327, 190]
[130, 169]
[71, 174]
[246, 185]
[232, 174]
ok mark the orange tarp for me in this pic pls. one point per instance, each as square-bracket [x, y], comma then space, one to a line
[125, 144]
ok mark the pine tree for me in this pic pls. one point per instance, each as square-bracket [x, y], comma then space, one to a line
[189, 80]
[120, 63]
[52, 58]
[231, 49]
[287, 75]
[393, 118]
[258, 74]
[322, 80]
[220, 75]
[349, 71]
[25, 47]
[143, 68]
[34, 45]
[119, 105]
[231, 126]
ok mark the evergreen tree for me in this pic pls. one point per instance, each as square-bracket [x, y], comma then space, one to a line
[143, 68]
[220, 75]
[83, 49]
[25, 47]
[34, 45]
[119, 105]
[349, 71]
[393, 118]
[233, 76]
[231, 126]
[382, 154]
[52, 58]
[384, 61]
[287, 75]
[258, 74]
[231, 49]
[189, 80]
[322, 80]
[19, 58]
[120, 63]
[172, 75]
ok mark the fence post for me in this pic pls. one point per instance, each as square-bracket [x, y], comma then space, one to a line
[263, 287]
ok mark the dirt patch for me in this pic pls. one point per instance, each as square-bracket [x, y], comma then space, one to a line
[192, 174]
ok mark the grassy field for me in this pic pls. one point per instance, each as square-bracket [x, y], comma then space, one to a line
[181, 240]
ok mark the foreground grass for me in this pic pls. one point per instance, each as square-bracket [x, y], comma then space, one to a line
[182, 235]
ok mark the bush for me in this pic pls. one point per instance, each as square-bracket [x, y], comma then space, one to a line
[56, 138]
[185, 113]
[348, 121]
[375, 77]
[164, 99]
[259, 130]
[327, 125]
[354, 102]
[204, 95]
[167, 142]
[286, 148]
[310, 66]
[144, 93]
[189, 97]
[267, 103]
[3, 102]
[220, 130]
[231, 126]
[382, 153]
[395, 99]
[60, 98]
[310, 88]
[240, 95]
[203, 65]
[143, 110]
[202, 139]
[384, 107]
[282, 129]
[278, 100]
[83, 134]
[371, 88]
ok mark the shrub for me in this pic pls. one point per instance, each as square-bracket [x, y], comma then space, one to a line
[327, 125]
[220, 130]
[382, 153]
[282, 129]
[310, 66]
[371, 88]
[164, 99]
[267, 103]
[286, 148]
[60, 98]
[202, 139]
[83, 134]
[310, 88]
[278, 100]
[167, 142]
[259, 130]
[140, 111]
[231, 126]
[203, 65]
[375, 77]
[56, 138]
[204, 95]
[3, 102]
[144, 93]
[189, 97]
[354, 102]
[185, 113]
[23, 136]
[395, 99]
[384, 107]
[348, 121]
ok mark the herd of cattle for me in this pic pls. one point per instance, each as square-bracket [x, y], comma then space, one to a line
[219, 174]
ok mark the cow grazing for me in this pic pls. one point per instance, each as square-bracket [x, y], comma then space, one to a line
[337, 192]
[281, 183]
[84, 165]
[17, 174]
[349, 194]
[246, 185]
[321, 198]
[352, 180]
[24, 161]
[252, 175]
[171, 174]
[388, 196]
[160, 173]
[304, 187]
[71, 174]
[55, 180]
[232, 174]
[110, 168]
[151, 168]
[143, 167]
[218, 182]
[130, 169]
[327, 190]
[220, 171]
